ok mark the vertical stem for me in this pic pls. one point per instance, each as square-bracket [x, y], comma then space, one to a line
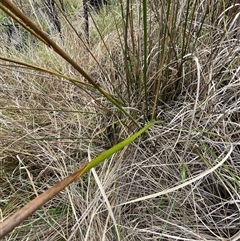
[145, 39]
[85, 13]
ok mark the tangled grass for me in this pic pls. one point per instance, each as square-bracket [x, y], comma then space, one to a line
[173, 61]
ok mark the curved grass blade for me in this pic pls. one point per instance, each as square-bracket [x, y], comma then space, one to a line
[184, 184]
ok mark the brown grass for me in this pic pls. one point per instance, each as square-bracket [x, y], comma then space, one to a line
[49, 127]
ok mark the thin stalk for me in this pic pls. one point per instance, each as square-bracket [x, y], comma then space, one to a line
[162, 60]
[145, 53]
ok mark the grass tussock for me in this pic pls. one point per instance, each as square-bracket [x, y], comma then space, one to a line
[172, 61]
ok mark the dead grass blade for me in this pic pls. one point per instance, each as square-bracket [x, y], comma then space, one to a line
[186, 183]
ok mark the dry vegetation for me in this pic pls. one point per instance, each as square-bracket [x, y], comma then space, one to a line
[50, 126]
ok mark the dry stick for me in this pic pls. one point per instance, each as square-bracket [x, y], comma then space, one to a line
[13, 221]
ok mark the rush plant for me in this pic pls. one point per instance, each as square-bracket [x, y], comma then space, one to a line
[164, 71]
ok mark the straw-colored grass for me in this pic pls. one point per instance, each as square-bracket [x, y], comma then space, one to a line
[184, 73]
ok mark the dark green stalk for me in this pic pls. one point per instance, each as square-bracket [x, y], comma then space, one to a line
[145, 40]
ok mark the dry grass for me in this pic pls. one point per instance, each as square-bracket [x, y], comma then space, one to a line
[49, 127]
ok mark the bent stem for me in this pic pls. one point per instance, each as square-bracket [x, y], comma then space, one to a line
[13, 221]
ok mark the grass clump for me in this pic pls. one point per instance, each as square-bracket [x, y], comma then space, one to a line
[176, 62]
